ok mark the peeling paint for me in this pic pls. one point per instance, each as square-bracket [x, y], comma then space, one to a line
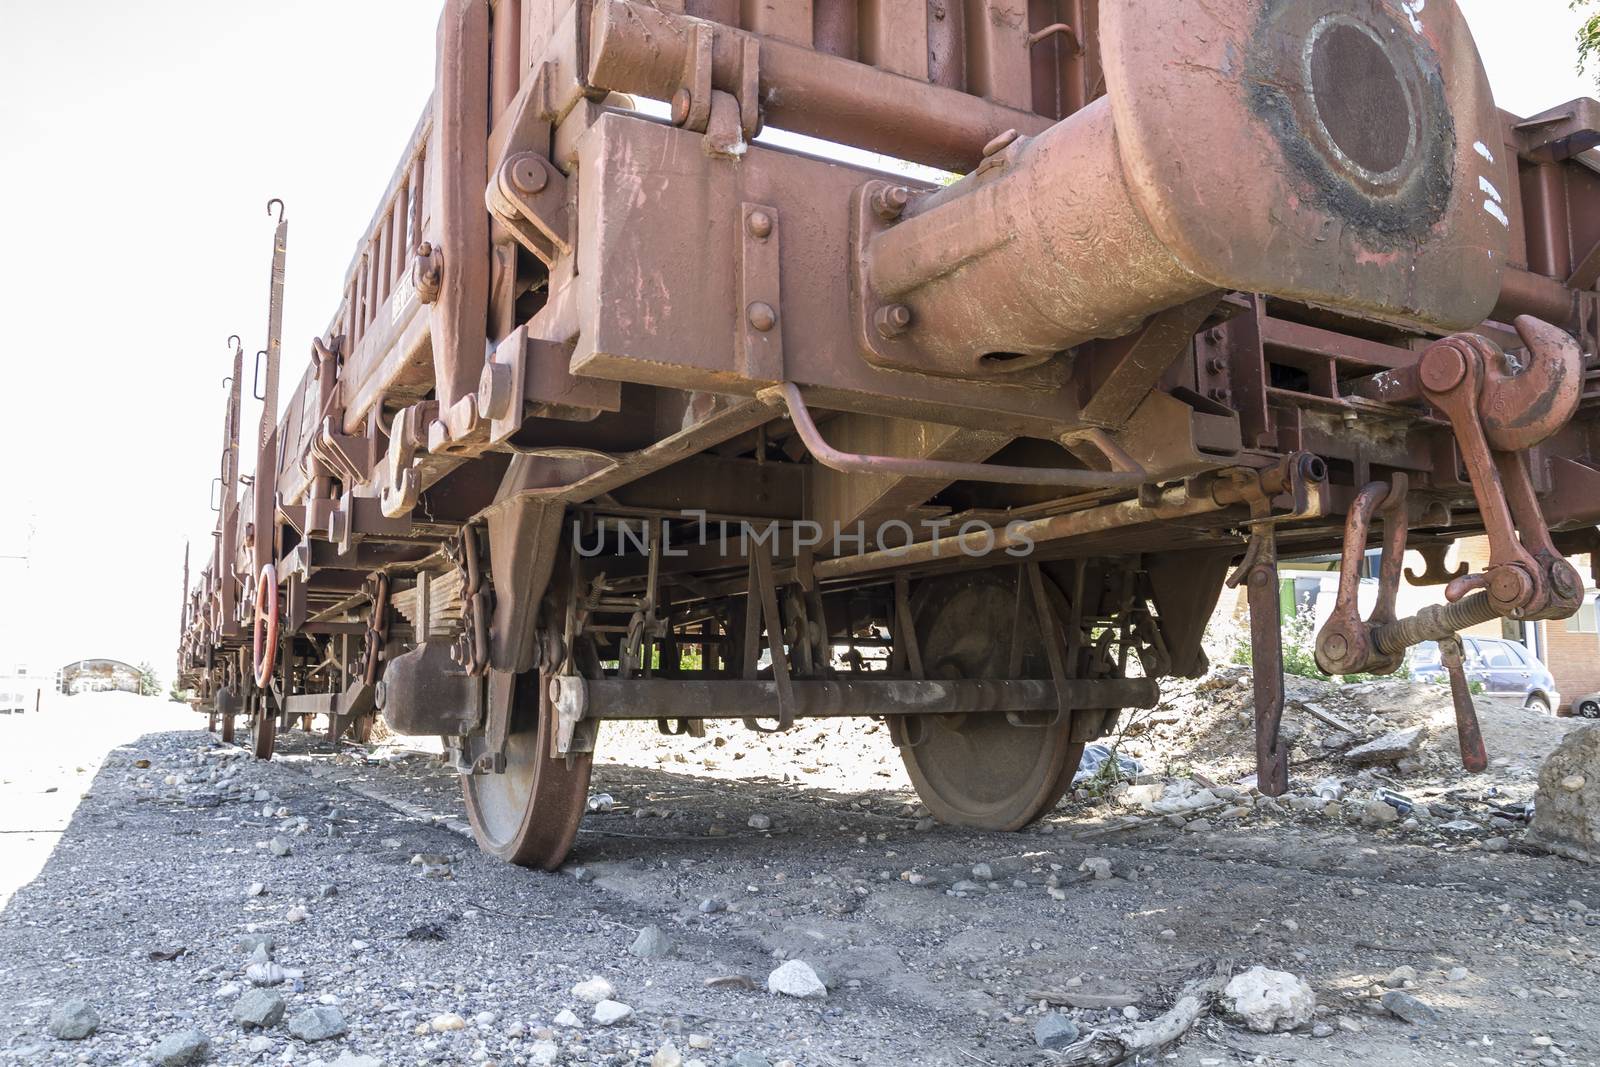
[1413, 9]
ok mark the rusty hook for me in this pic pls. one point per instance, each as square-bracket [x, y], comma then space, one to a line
[1051, 30]
[275, 200]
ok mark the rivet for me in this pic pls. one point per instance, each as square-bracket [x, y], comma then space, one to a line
[762, 317]
[760, 225]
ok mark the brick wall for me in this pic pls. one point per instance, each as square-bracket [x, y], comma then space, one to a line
[1574, 659]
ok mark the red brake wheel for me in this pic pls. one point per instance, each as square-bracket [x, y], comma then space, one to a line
[265, 636]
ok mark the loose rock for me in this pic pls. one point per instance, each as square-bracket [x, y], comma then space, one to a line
[320, 1023]
[179, 1050]
[1100, 868]
[1391, 747]
[593, 991]
[259, 1008]
[1566, 817]
[73, 1020]
[652, 943]
[1055, 1031]
[1407, 1007]
[796, 978]
[612, 1012]
[1268, 1001]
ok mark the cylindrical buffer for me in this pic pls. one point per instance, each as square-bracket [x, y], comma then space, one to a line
[1340, 152]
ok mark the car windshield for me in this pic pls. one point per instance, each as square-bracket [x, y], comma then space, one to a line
[1425, 655]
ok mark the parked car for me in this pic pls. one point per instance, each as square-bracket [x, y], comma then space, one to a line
[1503, 668]
[1587, 707]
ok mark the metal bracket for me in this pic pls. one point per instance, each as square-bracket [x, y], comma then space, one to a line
[529, 197]
[1344, 645]
[1045, 619]
[760, 330]
[1258, 571]
[762, 606]
[694, 104]
[399, 484]
[907, 731]
[1500, 406]
[1474, 754]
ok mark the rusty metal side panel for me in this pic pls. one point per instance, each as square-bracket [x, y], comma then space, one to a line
[659, 226]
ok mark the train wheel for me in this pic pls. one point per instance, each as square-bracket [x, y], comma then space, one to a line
[980, 770]
[361, 729]
[529, 815]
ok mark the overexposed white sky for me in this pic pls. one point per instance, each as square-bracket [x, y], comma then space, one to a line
[142, 140]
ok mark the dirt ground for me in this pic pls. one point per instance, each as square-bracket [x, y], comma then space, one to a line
[941, 946]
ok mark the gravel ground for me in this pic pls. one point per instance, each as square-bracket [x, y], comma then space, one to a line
[429, 952]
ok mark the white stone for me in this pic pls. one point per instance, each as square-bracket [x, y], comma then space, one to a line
[593, 991]
[440, 1024]
[611, 1012]
[1100, 868]
[1268, 1001]
[796, 978]
[567, 1019]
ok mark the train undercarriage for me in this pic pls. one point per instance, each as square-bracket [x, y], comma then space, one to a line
[629, 412]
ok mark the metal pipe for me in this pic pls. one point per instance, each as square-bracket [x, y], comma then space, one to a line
[942, 470]
[637, 48]
[656, 698]
[1526, 293]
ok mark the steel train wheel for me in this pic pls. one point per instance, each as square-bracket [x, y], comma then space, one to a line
[529, 815]
[980, 770]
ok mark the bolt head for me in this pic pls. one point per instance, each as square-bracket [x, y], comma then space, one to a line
[759, 224]
[1564, 577]
[892, 320]
[1510, 585]
[762, 316]
[889, 202]
[1000, 143]
[529, 176]
[1442, 368]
